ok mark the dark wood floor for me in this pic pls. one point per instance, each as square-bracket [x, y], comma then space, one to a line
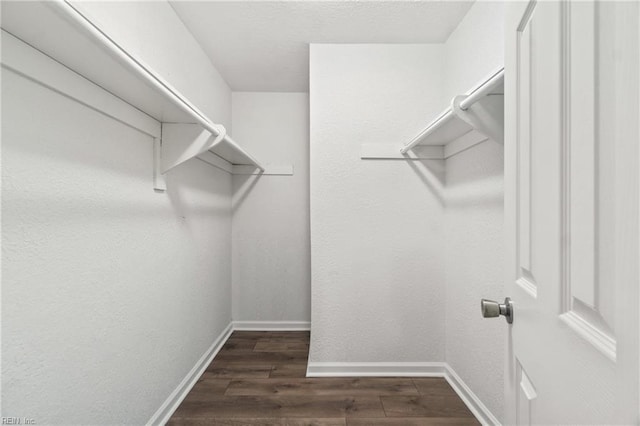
[258, 378]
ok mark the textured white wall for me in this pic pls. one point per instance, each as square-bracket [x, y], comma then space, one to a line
[110, 292]
[271, 252]
[380, 245]
[475, 49]
[376, 226]
[474, 212]
[474, 269]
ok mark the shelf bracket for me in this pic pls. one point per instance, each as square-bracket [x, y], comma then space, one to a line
[182, 142]
[159, 183]
[483, 115]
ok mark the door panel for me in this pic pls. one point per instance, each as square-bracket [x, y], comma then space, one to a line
[525, 398]
[572, 224]
[525, 88]
[587, 287]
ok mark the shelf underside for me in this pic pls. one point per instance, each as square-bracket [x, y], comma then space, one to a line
[228, 152]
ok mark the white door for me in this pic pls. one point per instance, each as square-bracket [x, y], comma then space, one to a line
[571, 212]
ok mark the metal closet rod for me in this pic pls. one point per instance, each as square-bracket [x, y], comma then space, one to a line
[80, 20]
[483, 90]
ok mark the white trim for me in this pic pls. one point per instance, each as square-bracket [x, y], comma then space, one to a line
[376, 369]
[406, 369]
[272, 325]
[482, 413]
[587, 330]
[172, 403]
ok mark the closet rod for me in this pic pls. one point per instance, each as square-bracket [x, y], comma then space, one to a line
[482, 91]
[69, 11]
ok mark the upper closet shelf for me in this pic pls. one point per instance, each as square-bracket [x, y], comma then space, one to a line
[64, 33]
[471, 119]
[482, 109]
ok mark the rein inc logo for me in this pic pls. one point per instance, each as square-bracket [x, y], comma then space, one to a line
[18, 421]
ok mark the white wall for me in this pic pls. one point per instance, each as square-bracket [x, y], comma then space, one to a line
[382, 249]
[111, 292]
[475, 49]
[474, 212]
[474, 270]
[376, 226]
[271, 248]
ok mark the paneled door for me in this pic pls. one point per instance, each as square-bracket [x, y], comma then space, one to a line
[571, 212]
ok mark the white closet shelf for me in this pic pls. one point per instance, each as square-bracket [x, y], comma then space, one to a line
[64, 33]
[471, 119]
[482, 110]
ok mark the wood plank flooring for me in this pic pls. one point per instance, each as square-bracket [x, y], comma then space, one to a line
[258, 378]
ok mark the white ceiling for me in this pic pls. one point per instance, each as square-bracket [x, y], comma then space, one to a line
[264, 45]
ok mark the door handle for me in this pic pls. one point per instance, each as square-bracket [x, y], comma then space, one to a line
[492, 309]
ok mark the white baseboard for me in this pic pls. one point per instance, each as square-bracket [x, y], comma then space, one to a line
[376, 369]
[171, 404]
[482, 413]
[406, 369]
[272, 325]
